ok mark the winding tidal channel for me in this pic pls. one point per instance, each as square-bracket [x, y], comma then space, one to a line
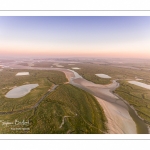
[121, 118]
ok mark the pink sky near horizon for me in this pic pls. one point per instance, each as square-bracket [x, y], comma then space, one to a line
[123, 50]
[123, 54]
[123, 37]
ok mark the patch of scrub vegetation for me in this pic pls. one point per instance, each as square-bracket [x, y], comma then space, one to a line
[45, 79]
[66, 110]
[138, 97]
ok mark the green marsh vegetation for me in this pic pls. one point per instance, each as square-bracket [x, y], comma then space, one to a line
[88, 71]
[45, 79]
[68, 110]
[65, 110]
[136, 96]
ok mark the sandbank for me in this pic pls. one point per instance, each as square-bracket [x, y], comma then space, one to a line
[103, 76]
[22, 73]
[143, 85]
[118, 118]
[76, 68]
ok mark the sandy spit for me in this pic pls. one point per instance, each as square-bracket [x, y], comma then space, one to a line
[119, 120]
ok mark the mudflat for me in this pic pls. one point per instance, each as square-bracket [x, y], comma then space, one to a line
[20, 91]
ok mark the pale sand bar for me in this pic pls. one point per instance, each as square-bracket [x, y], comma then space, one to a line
[143, 85]
[75, 68]
[119, 120]
[103, 75]
[22, 73]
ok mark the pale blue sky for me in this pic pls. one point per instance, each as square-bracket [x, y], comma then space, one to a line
[75, 36]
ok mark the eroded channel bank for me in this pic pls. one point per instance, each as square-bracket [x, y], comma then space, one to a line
[121, 117]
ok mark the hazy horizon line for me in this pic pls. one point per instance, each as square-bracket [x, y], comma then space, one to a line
[73, 57]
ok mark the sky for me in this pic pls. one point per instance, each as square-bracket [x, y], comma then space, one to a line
[75, 36]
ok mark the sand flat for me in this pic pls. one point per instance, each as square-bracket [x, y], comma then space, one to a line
[143, 85]
[22, 73]
[76, 68]
[20, 91]
[103, 76]
[119, 120]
